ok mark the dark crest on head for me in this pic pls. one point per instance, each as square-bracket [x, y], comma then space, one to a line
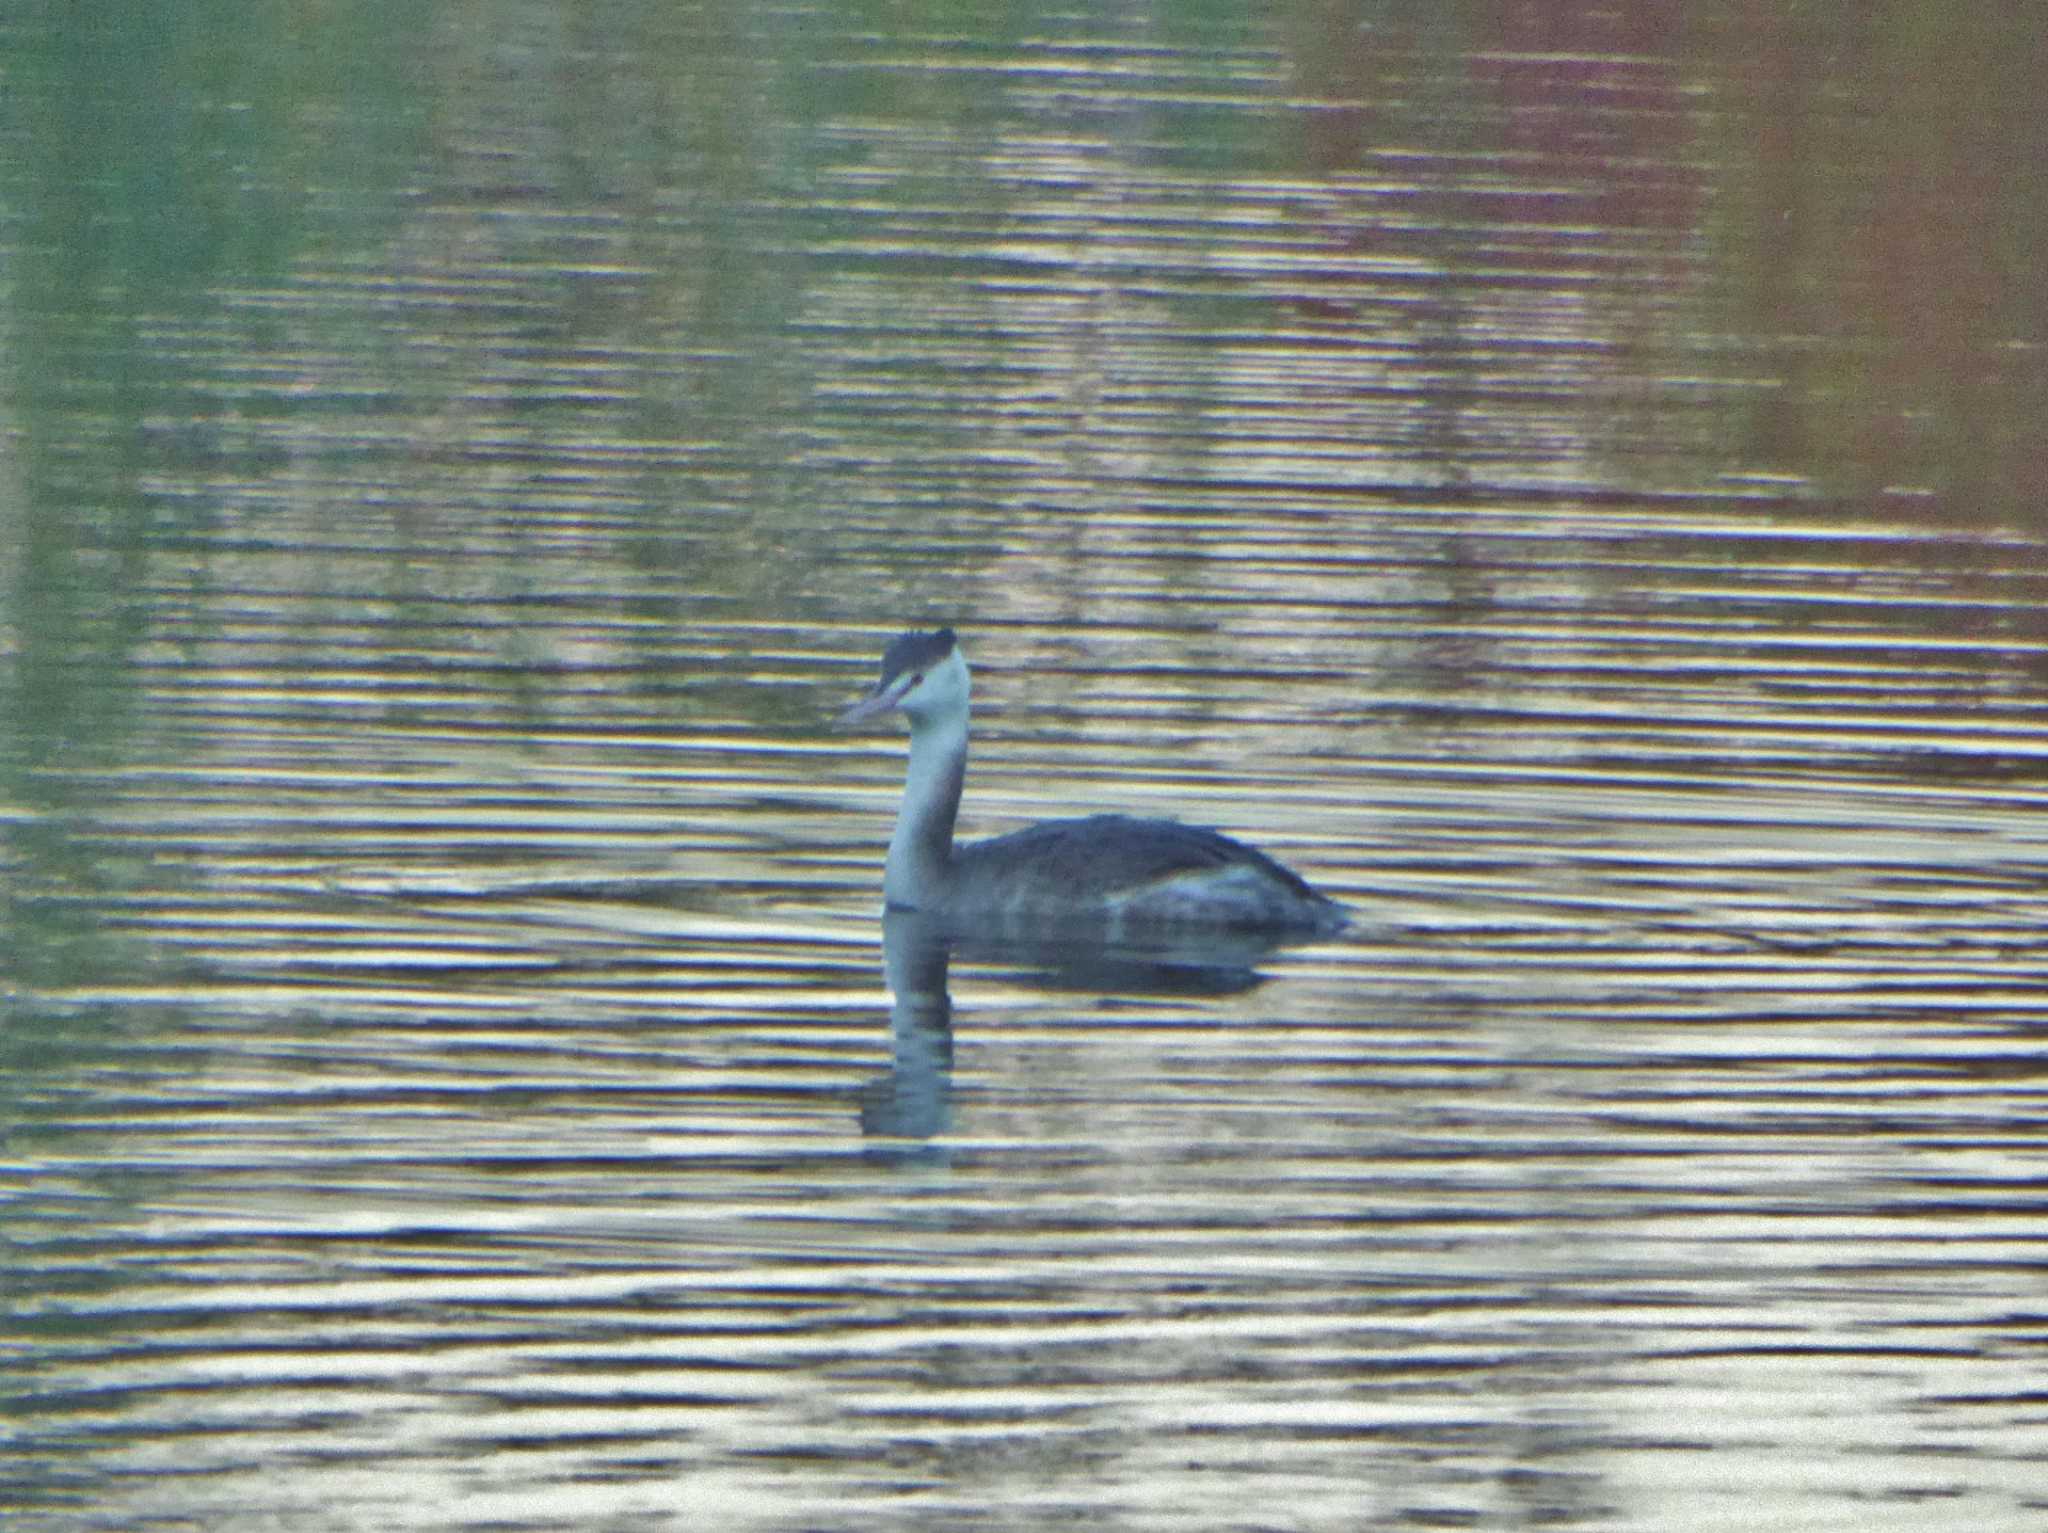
[915, 652]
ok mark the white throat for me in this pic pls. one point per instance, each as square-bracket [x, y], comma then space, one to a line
[916, 875]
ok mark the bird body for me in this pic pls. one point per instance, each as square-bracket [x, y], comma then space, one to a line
[1108, 874]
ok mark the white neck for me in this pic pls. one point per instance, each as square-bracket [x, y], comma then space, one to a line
[916, 874]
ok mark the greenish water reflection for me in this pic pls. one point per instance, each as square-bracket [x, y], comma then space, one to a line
[1566, 479]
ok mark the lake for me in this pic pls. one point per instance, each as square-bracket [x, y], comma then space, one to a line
[1565, 480]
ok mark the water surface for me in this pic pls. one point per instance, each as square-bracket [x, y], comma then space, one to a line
[1509, 468]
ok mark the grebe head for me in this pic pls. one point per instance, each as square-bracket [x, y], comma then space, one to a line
[924, 674]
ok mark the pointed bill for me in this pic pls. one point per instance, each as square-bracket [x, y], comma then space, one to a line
[878, 702]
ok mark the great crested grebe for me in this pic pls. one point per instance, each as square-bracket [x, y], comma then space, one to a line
[1108, 873]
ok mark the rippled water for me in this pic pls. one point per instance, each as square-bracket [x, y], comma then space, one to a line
[454, 1075]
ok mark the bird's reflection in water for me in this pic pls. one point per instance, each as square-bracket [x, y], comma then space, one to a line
[913, 1098]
